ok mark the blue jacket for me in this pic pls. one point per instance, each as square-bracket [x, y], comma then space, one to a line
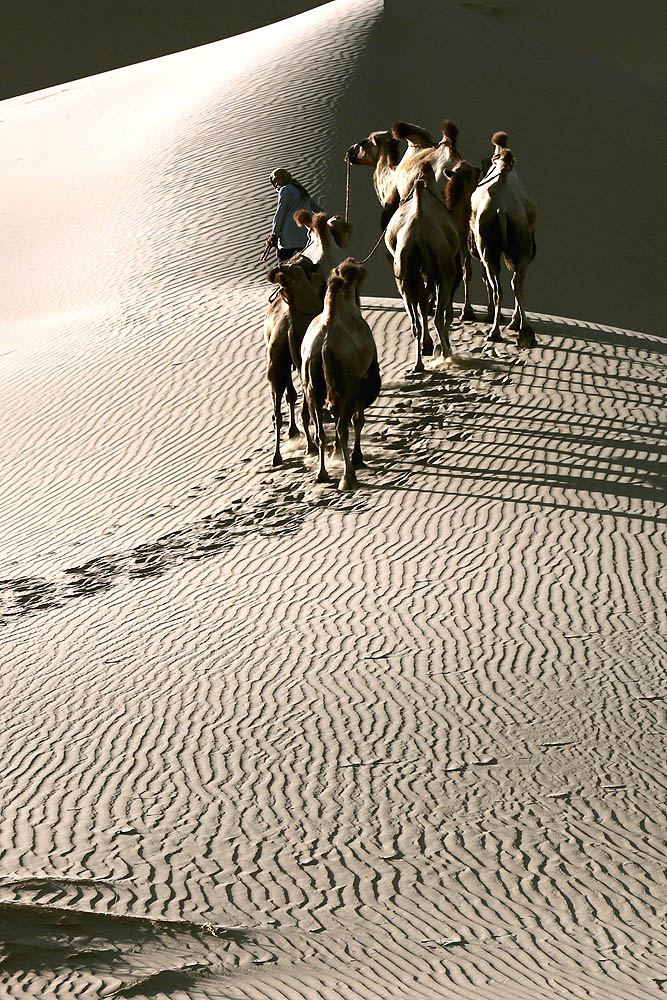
[290, 200]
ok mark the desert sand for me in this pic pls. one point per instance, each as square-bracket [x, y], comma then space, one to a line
[263, 739]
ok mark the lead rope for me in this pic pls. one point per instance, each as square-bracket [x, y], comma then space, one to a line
[401, 202]
[347, 187]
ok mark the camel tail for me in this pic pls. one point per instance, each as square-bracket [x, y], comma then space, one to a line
[505, 240]
[333, 374]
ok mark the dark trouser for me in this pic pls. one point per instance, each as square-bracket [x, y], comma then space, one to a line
[285, 253]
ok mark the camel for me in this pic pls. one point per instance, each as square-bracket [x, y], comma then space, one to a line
[287, 319]
[329, 235]
[381, 151]
[301, 286]
[423, 239]
[394, 178]
[340, 366]
[503, 224]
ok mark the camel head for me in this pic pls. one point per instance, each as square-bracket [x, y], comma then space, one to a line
[295, 288]
[462, 182]
[340, 230]
[378, 145]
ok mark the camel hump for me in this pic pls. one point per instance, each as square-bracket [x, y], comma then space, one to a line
[506, 161]
[500, 139]
[349, 271]
[414, 134]
[462, 182]
[303, 218]
[319, 224]
[450, 131]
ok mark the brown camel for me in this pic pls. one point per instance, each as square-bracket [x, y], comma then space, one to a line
[287, 319]
[423, 238]
[301, 286]
[340, 366]
[503, 224]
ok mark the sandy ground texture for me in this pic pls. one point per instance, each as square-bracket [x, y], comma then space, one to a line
[262, 739]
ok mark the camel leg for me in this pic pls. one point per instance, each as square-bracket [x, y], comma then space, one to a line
[426, 341]
[412, 310]
[311, 448]
[444, 313]
[526, 336]
[493, 276]
[322, 474]
[290, 392]
[358, 421]
[489, 299]
[348, 480]
[277, 389]
[467, 313]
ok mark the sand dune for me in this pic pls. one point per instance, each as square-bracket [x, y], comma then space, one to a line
[264, 739]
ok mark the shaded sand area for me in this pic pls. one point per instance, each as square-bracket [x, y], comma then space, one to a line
[262, 739]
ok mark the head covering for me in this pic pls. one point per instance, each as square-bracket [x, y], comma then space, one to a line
[282, 176]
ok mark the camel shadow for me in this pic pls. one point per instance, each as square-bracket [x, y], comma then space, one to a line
[532, 452]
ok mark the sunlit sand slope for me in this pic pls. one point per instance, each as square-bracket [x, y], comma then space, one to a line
[263, 739]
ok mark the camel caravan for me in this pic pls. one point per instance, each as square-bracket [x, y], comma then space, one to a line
[437, 213]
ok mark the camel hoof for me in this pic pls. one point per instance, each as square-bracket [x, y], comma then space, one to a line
[277, 459]
[323, 477]
[293, 431]
[358, 461]
[467, 314]
[311, 448]
[495, 337]
[348, 483]
[514, 324]
[526, 338]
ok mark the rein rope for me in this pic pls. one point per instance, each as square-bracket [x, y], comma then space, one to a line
[401, 202]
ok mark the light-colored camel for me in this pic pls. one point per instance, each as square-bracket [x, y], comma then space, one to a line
[285, 324]
[340, 366]
[381, 151]
[328, 237]
[394, 178]
[503, 224]
[423, 239]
